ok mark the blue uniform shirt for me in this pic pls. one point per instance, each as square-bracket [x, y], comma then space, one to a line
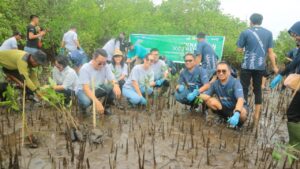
[195, 79]
[209, 57]
[292, 53]
[256, 41]
[139, 51]
[228, 93]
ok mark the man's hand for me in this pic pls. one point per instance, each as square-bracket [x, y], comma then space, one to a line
[234, 120]
[180, 88]
[42, 33]
[117, 91]
[99, 107]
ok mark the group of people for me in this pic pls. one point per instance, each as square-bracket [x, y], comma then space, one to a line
[204, 76]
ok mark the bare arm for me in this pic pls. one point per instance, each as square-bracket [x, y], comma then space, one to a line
[58, 88]
[88, 92]
[240, 50]
[239, 105]
[204, 87]
[63, 44]
[32, 36]
[77, 43]
[136, 87]
[272, 57]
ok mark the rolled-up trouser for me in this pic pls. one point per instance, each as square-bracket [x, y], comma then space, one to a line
[30, 50]
[102, 91]
[132, 95]
[182, 97]
[256, 76]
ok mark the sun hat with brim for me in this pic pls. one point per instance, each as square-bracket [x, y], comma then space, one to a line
[118, 53]
[295, 28]
[40, 57]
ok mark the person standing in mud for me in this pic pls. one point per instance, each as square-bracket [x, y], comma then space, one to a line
[293, 112]
[160, 70]
[114, 44]
[193, 80]
[33, 35]
[96, 73]
[206, 55]
[256, 42]
[140, 81]
[229, 103]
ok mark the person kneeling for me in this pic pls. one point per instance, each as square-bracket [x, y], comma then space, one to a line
[193, 80]
[141, 79]
[229, 91]
[96, 73]
[65, 77]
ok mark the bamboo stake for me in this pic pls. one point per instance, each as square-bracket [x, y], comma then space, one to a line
[94, 103]
[23, 115]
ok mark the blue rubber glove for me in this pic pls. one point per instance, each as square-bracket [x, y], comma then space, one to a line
[143, 101]
[275, 81]
[234, 120]
[193, 95]
[180, 88]
[159, 82]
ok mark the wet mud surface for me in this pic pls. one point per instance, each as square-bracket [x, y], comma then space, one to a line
[162, 136]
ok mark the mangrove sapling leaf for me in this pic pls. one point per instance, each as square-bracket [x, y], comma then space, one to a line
[10, 96]
[51, 82]
[282, 151]
[198, 101]
[5, 103]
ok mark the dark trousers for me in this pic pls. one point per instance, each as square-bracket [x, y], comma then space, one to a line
[256, 76]
[293, 112]
[67, 93]
[121, 83]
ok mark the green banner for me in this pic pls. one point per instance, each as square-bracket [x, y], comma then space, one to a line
[175, 46]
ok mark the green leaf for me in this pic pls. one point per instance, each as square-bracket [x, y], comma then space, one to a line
[276, 155]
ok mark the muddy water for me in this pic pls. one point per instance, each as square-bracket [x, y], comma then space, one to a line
[163, 139]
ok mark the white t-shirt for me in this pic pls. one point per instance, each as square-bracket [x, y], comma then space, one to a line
[70, 39]
[159, 68]
[110, 48]
[118, 71]
[140, 75]
[88, 72]
[9, 44]
[67, 78]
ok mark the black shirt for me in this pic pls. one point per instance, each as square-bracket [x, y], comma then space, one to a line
[32, 43]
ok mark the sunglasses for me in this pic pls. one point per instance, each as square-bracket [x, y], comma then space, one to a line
[101, 63]
[188, 61]
[150, 60]
[221, 71]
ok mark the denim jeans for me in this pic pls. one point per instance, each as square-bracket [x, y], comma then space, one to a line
[30, 50]
[132, 95]
[182, 97]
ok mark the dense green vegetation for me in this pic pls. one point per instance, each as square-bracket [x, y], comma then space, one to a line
[99, 20]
